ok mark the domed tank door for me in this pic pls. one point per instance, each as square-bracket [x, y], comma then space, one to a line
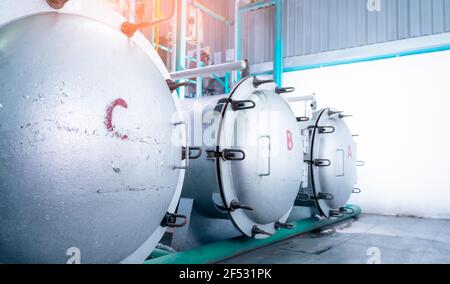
[258, 191]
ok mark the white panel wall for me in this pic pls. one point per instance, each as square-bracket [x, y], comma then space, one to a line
[401, 111]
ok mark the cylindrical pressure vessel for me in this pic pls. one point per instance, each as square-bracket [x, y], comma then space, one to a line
[331, 163]
[249, 170]
[91, 138]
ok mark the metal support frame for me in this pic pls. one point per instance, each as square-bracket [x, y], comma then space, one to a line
[212, 13]
[209, 70]
[181, 40]
[278, 28]
[220, 251]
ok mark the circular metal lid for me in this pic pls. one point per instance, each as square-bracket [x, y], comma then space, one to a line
[259, 176]
[332, 161]
[83, 164]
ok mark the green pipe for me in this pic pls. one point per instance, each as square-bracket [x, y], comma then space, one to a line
[219, 251]
[159, 253]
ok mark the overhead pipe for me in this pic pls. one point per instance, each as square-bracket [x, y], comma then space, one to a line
[210, 70]
[212, 13]
[256, 6]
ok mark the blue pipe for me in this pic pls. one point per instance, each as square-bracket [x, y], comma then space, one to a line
[440, 48]
[278, 49]
[255, 6]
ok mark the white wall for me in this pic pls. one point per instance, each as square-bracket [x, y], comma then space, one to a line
[401, 111]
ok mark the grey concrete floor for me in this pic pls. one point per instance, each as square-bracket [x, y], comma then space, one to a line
[371, 238]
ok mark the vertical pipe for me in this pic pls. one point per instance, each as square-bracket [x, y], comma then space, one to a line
[237, 38]
[199, 87]
[227, 82]
[278, 49]
[132, 13]
[181, 40]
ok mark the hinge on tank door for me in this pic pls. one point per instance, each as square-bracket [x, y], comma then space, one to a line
[170, 220]
[191, 151]
[227, 155]
[238, 105]
[319, 163]
[174, 85]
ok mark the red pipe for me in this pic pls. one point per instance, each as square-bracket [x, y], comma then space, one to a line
[57, 4]
[129, 29]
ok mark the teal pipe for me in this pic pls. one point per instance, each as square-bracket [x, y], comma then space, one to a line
[278, 49]
[159, 253]
[212, 13]
[439, 48]
[255, 6]
[227, 82]
[220, 251]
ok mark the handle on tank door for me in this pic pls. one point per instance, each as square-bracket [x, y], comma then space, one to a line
[268, 172]
[185, 149]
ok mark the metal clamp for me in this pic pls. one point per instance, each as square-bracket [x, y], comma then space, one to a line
[227, 155]
[302, 119]
[238, 105]
[190, 151]
[170, 221]
[303, 197]
[347, 211]
[319, 163]
[325, 196]
[257, 82]
[235, 205]
[257, 231]
[336, 214]
[281, 225]
[286, 90]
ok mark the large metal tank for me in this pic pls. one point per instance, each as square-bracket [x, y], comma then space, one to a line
[249, 170]
[330, 163]
[91, 158]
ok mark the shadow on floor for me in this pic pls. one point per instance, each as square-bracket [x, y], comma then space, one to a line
[370, 239]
